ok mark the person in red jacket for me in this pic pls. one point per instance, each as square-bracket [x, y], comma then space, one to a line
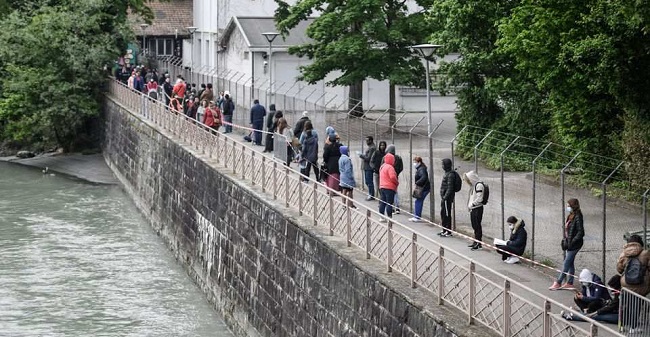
[387, 185]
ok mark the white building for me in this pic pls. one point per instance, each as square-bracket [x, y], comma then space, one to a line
[228, 39]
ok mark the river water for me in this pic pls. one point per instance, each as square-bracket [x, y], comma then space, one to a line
[78, 259]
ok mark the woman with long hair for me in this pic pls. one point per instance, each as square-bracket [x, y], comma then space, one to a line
[572, 240]
[422, 187]
[285, 131]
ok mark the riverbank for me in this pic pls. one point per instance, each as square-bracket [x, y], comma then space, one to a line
[91, 168]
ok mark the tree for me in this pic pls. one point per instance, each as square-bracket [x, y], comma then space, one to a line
[52, 58]
[361, 39]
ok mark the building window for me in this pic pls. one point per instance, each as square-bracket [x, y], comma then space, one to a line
[245, 55]
[161, 47]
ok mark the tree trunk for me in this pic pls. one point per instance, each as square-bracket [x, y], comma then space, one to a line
[355, 101]
[391, 103]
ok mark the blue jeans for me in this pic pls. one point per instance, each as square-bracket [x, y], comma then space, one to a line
[419, 204]
[387, 197]
[257, 135]
[228, 119]
[368, 177]
[568, 267]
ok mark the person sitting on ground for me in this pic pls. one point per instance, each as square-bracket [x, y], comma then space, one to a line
[516, 244]
[633, 266]
[607, 313]
[593, 294]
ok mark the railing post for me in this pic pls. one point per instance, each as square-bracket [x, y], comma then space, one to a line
[348, 225]
[414, 260]
[594, 330]
[286, 187]
[300, 201]
[547, 318]
[315, 202]
[241, 160]
[389, 249]
[506, 308]
[218, 146]
[232, 158]
[472, 293]
[441, 275]
[263, 174]
[275, 181]
[368, 238]
[331, 207]
[252, 168]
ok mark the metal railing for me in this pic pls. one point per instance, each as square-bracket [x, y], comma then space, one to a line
[634, 314]
[484, 295]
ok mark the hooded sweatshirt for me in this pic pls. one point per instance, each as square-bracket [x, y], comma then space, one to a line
[594, 290]
[447, 186]
[346, 170]
[475, 192]
[399, 164]
[632, 249]
[387, 175]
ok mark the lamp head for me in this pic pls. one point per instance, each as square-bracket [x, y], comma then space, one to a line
[144, 26]
[191, 30]
[270, 36]
[426, 50]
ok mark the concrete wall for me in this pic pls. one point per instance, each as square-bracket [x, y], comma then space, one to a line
[266, 270]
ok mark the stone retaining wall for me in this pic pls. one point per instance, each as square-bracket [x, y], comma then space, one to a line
[266, 270]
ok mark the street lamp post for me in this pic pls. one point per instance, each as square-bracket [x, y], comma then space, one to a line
[270, 36]
[143, 26]
[426, 51]
[192, 30]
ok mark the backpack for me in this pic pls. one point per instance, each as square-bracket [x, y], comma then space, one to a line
[399, 164]
[458, 183]
[634, 271]
[486, 192]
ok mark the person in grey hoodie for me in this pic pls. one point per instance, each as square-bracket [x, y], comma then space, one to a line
[346, 171]
[475, 206]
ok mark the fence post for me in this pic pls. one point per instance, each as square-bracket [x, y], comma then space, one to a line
[503, 205]
[414, 260]
[263, 174]
[368, 237]
[604, 186]
[286, 187]
[547, 318]
[441, 275]
[472, 293]
[389, 251]
[506, 308]
[315, 202]
[410, 161]
[275, 181]
[532, 240]
[593, 330]
[232, 158]
[348, 226]
[300, 203]
[331, 207]
[476, 150]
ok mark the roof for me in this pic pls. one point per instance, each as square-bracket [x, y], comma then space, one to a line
[253, 27]
[170, 18]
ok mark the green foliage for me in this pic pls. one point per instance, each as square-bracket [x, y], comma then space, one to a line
[52, 58]
[361, 39]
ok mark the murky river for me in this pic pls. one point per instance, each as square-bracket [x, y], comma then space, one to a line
[78, 260]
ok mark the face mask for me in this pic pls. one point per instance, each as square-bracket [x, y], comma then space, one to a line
[585, 284]
[416, 165]
[569, 209]
[511, 226]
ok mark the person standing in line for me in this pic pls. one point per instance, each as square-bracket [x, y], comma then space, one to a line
[168, 89]
[572, 241]
[209, 118]
[475, 207]
[300, 124]
[152, 89]
[200, 112]
[388, 184]
[309, 154]
[399, 167]
[447, 196]
[285, 131]
[207, 94]
[633, 249]
[516, 244]
[347, 176]
[331, 155]
[258, 112]
[220, 100]
[375, 162]
[422, 187]
[228, 111]
[367, 167]
[180, 88]
[270, 128]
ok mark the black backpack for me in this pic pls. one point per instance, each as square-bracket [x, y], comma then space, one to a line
[458, 183]
[399, 164]
[634, 271]
[486, 192]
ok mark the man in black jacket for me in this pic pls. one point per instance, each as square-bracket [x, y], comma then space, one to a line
[300, 124]
[447, 195]
[228, 111]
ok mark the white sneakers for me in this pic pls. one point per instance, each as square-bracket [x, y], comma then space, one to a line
[512, 260]
[414, 219]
